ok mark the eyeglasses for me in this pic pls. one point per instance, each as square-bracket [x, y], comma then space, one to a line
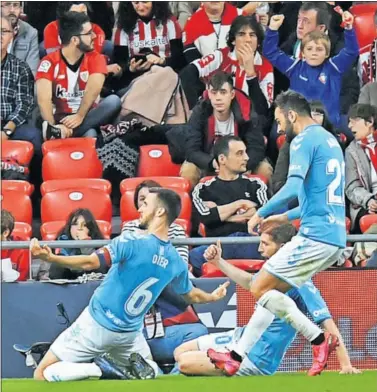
[91, 32]
[3, 31]
[11, 5]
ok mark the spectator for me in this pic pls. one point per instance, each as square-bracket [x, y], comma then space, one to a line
[361, 163]
[72, 79]
[175, 230]
[227, 202]
[253, 74]
[24, 43]
[316, 16]
[224, 113]
[320, 116]
[19, 258]
[135, 49]
[17, 94]
[80, 226]
[368, 94]
[315, 77]
[183, 10]
[207, 30]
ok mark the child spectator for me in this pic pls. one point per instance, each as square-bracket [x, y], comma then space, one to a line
[314, 76]
[19, 258]
[147, 34]
[81, 225]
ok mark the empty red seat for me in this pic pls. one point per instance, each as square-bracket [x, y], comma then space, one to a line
[367, 221]
[211, 271]
[70, 158]
[50, 230]
[166, 182]
[17, 203]
[21, 151]
[90, 183]
[57, 205]
[22, 230]
[18, 186]
[129, 212]
[155, 160]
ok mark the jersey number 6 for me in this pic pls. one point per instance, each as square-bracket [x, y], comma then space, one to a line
[140, 298]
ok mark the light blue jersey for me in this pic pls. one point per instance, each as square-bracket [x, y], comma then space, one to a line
[268, 352]
[142, 266]
[316, 157]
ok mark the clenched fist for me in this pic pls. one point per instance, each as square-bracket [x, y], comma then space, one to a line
[276, 21]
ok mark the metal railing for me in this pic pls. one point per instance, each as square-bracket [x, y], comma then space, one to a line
[180, 241]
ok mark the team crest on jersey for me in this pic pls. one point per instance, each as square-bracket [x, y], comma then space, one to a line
[44, 66]
[84, 76]
[322, 78]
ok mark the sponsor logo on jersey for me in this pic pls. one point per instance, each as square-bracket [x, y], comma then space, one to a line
[44, 66]
[322, 78]
[61, 92]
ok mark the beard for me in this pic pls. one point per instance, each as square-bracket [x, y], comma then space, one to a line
[143, 225]
[84, 47]
[289, 132]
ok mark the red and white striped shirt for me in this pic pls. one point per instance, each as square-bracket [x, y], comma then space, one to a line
[227, 61]
[68, 87]
[149, 35]
[205, 35]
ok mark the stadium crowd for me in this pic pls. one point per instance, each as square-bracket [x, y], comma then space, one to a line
[111, 97]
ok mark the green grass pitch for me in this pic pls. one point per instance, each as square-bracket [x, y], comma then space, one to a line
[295, 382]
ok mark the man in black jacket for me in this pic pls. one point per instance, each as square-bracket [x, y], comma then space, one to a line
[226, 112]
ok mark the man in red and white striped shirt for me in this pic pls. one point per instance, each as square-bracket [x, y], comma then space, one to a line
[251, 72]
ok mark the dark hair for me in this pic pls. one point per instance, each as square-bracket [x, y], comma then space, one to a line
[64, 6]
[90, 220]
[365, 111]
[283, 234]
[70, 24]
[169, 200]
[7, 221]
[323, 14]
[127, 16]
[219, 78]
[290, 100]
[221, 146]
[318, 107]
[144, 184]
[238, 24]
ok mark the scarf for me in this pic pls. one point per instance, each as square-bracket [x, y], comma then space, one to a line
[369, 145]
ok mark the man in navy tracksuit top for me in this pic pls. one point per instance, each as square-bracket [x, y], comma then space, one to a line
[316, 76]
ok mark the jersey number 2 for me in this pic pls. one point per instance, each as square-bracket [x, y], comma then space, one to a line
[334, 167]
[140, 298]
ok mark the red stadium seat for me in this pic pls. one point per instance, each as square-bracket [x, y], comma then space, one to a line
[17, 203]
[21, 151]
[186, 224]
[128, 211]
[18, 186]
[155, 160]
[280, 141]
[367, 221]
[202, 230]
[50, 230]
[166, 182]
[70, 158]
[57, 205]
[22, 230]
[89, 183]
[348, 225]
[211, 271]
[364, 23]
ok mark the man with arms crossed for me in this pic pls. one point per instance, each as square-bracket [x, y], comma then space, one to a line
[316, 177]
[141, 267]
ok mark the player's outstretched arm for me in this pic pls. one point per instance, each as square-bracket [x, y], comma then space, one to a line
[44, 253]
[198, 296]
[341, 352]
[213, 255]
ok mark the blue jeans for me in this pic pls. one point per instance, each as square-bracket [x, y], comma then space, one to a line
[29, 133]
[163, 348]
[236, 251]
